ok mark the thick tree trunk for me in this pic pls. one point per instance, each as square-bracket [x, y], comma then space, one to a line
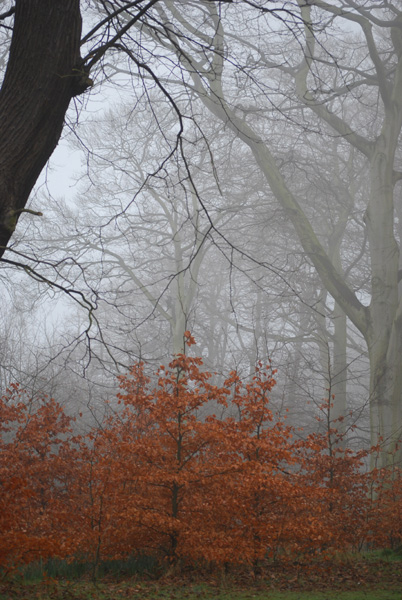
[386, 388]
[43, 74]
[386, 396]
[383, 336]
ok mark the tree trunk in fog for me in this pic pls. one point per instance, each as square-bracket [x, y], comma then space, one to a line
[384, 331]
[333, 358]
[339, 369]
[38, 85]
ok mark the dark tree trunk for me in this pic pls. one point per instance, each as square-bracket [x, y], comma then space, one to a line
[41, 78]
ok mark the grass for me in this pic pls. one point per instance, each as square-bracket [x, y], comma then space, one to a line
[140, 591]
[374, 576]
[61, 569]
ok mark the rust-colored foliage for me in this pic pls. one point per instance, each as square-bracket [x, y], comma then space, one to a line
[32, 468]
[185, 471]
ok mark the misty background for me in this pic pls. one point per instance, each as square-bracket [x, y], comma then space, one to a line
[163, 211]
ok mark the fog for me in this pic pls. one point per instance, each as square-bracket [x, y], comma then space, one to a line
[234, 173]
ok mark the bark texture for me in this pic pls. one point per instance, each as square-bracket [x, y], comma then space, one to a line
[43, 74]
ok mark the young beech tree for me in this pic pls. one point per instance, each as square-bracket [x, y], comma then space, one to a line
[161, 478]
[163, 445]
[168, 480]
[34, 466]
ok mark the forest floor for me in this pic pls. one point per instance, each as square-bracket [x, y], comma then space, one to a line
[353, 580]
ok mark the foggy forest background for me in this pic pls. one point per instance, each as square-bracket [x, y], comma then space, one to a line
[234, 172]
